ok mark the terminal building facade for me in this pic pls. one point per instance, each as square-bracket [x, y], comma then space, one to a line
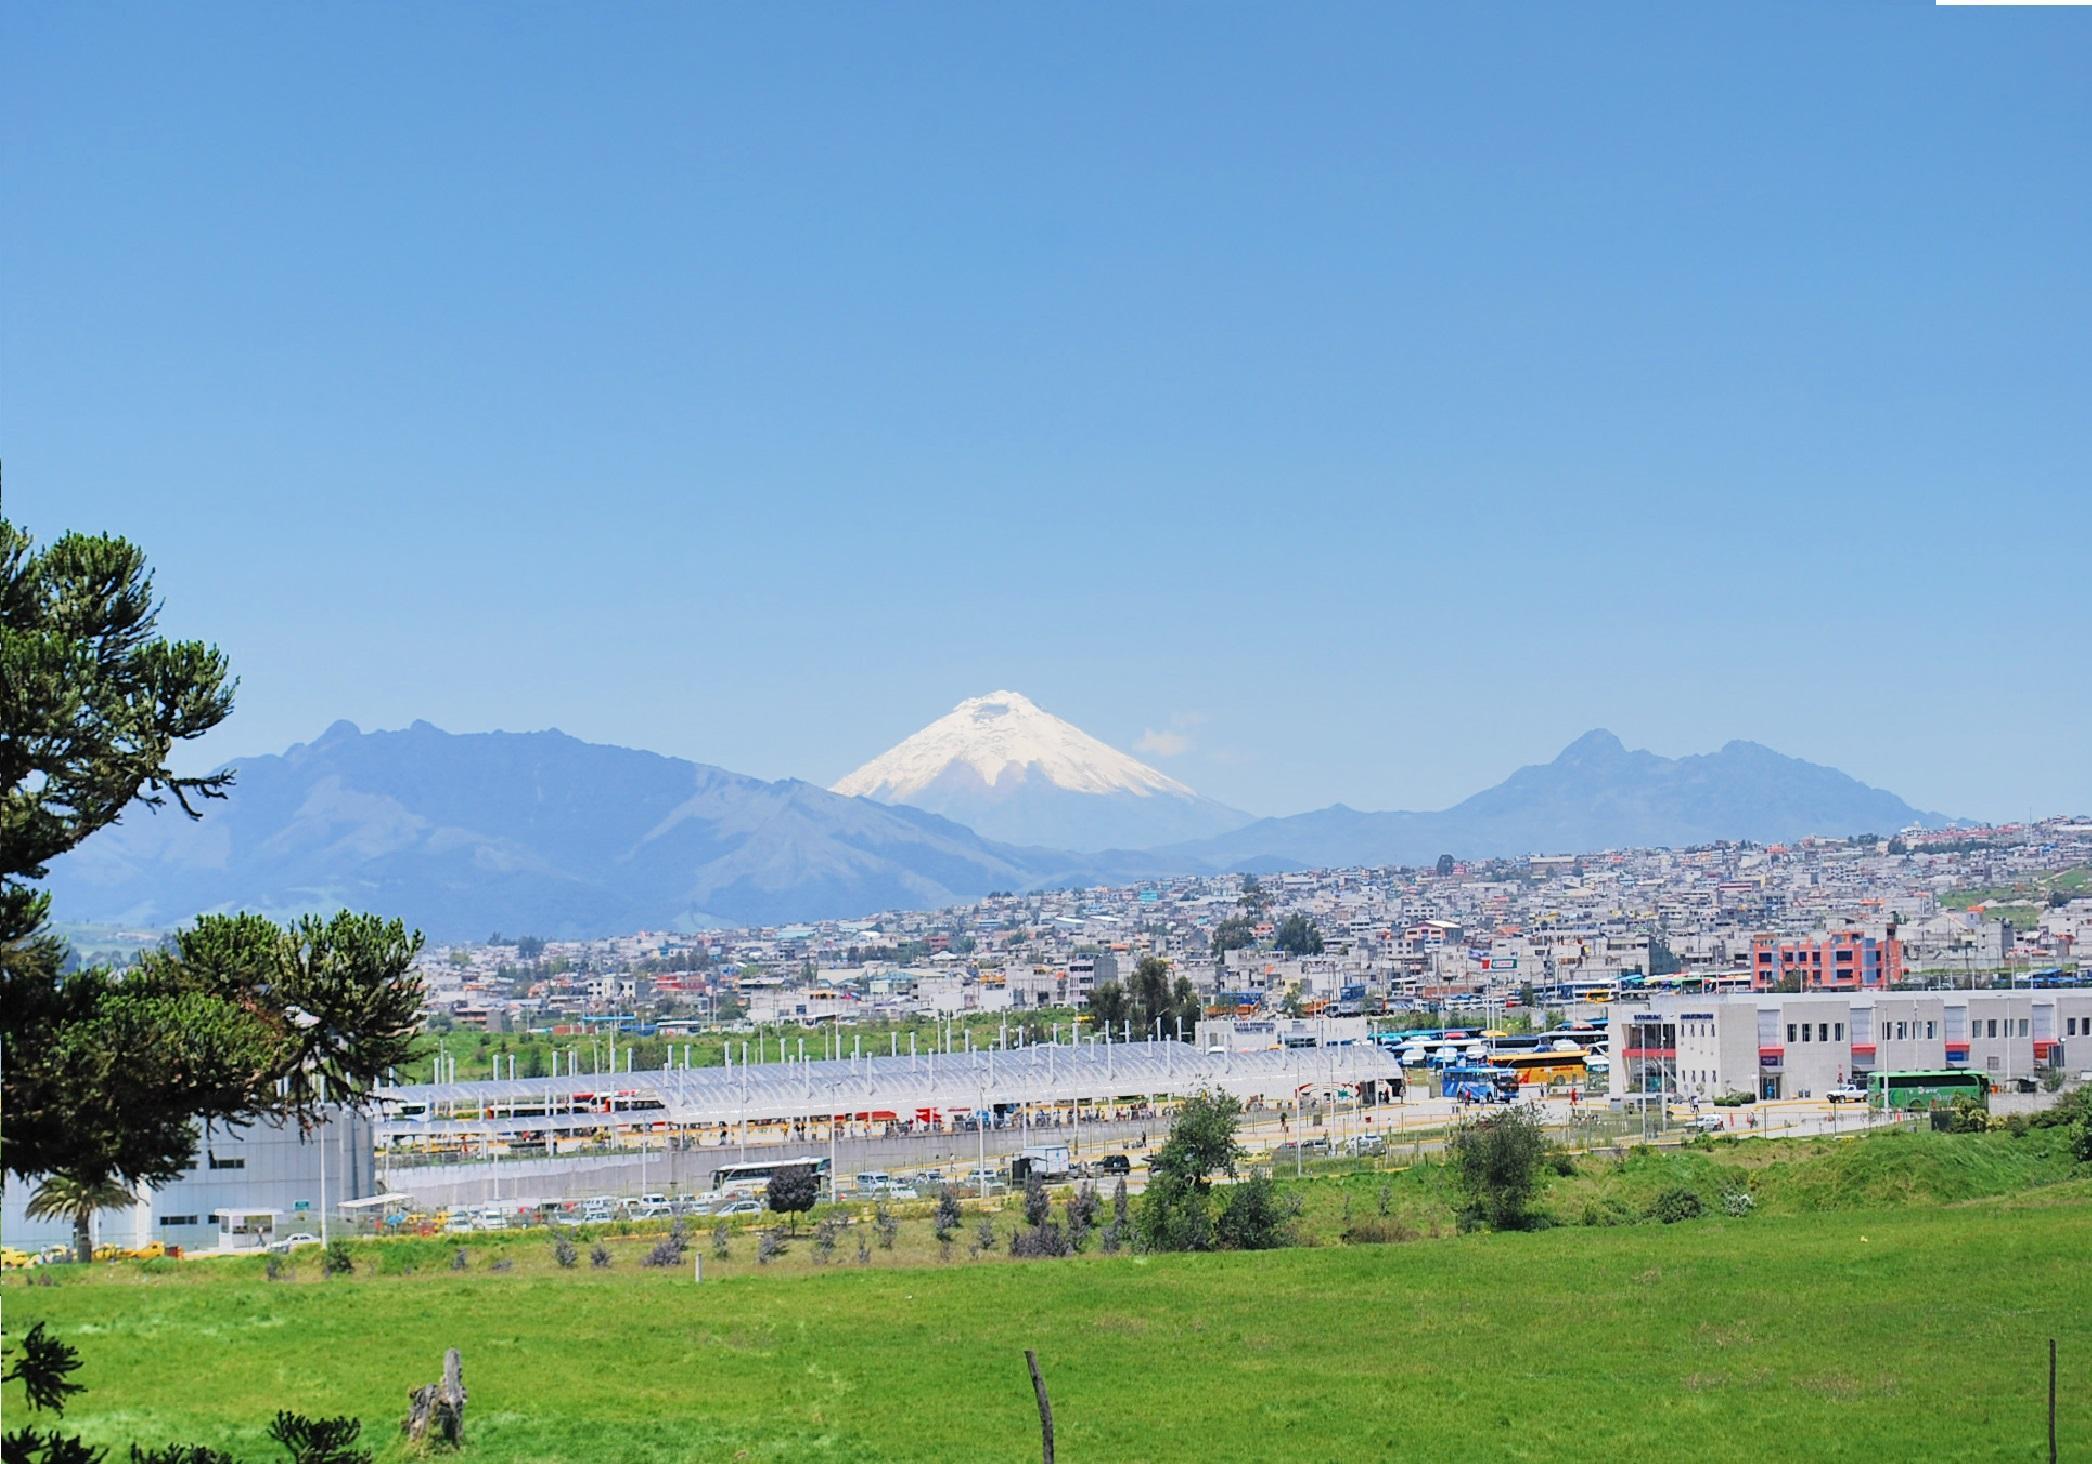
[1789, 1045]
[244, 1185]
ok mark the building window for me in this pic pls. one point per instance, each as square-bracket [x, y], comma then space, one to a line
[1790, 1031]
[1823, 1031]
[2022, 1026]
[1931, 1029]
[217, 1163]
[1993, 1027]
[1838, 1031]
[177, 1219]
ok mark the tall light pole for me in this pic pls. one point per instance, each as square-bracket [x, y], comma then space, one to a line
[305, 1021]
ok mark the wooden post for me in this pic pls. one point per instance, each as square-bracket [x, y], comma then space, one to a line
[1038, 1386]
[436, 1412]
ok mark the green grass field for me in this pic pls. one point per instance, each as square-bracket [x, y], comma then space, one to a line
[1821, 1327]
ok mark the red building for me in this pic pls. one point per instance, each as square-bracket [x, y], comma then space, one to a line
[1837, 960]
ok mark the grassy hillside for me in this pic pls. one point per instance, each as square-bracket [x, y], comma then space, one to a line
[1919, 1332]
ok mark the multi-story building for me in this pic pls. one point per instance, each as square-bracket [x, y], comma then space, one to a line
[1833, 960]
[1087, 970]
[1775, 1045]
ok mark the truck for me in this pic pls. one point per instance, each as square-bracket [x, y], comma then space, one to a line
[1048, 1161]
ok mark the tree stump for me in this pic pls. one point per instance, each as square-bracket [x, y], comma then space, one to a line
[436, 1412]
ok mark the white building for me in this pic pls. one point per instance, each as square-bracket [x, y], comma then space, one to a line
[271, 1174]
[1775, 1045]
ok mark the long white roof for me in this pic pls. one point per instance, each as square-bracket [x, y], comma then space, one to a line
[955, 1082]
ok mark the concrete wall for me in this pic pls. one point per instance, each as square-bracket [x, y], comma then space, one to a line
[436, 1186]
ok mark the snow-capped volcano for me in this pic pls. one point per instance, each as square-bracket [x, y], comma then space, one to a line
[1015, 772]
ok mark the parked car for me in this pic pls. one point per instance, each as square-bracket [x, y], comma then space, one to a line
[1847, 1093]
[1706, 1123]
[283, 1245]
[739, 1208]
[1364, 1144]
[1115, 1164]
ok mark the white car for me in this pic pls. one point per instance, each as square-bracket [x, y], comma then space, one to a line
[741, 1207]
[292, 1242]
[1847, 1093]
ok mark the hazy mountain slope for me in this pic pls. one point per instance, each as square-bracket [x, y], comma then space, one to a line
[462, 835]
[1011, 771]
[1595, 795]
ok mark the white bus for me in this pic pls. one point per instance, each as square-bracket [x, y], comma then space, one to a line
[755, 1174]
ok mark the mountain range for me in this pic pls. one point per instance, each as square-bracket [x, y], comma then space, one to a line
[464, 834]
[1595, 795]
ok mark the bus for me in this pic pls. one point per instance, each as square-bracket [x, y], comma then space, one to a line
[1479, 1083]
[1542, 1067]
[758, 1172]
[1926, 1089]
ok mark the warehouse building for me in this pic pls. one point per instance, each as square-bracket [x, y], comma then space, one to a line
[1774, 1045]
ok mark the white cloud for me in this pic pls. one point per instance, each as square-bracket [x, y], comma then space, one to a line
[1162, 744]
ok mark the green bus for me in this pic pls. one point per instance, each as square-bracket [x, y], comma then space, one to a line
[1928, 1089]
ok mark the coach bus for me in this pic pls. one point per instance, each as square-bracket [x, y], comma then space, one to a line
[1925, 1089]
[1542, 1067]
[756, 1173]
[1479, 1083]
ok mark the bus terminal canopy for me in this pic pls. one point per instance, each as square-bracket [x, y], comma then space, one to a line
[945, 1083]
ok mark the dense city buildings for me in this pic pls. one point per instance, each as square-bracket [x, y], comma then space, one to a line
[1916, 909]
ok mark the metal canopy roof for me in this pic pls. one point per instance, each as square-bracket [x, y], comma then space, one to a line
[957, 1082]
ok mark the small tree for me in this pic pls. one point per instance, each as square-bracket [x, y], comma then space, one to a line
[1254, 1216]
[564, 1255]
[337, 1259]
[1175, 1213]
[1037, 1203]
[793, 1192]
[1233, 934]
[319, 1440]
[885, 1225]
[1496, 1165]
[946, 1223]
[61, 1197]
[1297, 936]
[1082, 1215]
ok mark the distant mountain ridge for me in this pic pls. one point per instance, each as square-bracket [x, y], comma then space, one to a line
[463, 834]
[1596, 794]
[1007, 768]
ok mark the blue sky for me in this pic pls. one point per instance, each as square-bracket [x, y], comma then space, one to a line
[1363, 400]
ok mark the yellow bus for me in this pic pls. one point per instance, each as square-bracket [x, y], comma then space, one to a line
[1543, 1067]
